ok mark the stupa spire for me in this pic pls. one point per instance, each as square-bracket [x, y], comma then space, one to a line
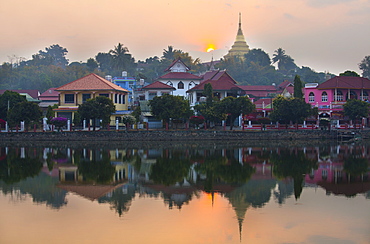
[240, 46]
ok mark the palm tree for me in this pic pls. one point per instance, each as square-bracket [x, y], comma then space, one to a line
[169, 54]
[121, 57]
[285, 62]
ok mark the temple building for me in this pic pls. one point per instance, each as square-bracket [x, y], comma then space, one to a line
[240, 46]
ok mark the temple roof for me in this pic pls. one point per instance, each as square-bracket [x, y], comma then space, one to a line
[240, 46]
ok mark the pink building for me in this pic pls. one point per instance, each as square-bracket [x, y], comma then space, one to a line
[331, 95]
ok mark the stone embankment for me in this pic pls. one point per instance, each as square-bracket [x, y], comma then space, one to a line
[175, 135]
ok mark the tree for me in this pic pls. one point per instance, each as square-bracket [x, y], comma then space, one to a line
[57, 53]
[284, 61]
[128, 119]
[298, 86]
[356, 109]
[349, 73]
[258, 56]
[121, 59]
[290, 110]
[91, 64]
[168, 107]
[28, 112]
[234, 107]
[97, 108]
[7, 101]
[365, 67]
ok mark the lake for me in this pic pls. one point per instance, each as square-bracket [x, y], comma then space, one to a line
[184, 193]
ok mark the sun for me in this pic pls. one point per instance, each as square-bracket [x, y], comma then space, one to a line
[210, 48]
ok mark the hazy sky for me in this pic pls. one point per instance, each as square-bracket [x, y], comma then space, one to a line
[326, 35]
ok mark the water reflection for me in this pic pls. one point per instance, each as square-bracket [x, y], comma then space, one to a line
[247, 177]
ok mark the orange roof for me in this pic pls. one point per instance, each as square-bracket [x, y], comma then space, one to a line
[90, 82]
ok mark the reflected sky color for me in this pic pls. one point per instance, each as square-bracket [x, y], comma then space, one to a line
[314, 218]
[202, 204]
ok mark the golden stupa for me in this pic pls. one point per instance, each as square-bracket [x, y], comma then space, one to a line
[240, 46]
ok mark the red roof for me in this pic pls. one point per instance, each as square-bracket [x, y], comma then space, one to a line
[50, 94]
[285, 84]
[217, 75]
[179, 76]
[175, 62]
[89, 83]
[158, 85]
[217, 85]
[33, 93]
[259, 88]
[345, 82]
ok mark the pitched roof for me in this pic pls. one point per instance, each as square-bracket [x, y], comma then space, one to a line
[258, 88]
[345, 82]
[285, 84]
[217, 75]
[89, 83]
[158, 85]
[175, 62]
[179, 76]
[50, 94]
[217, 85]
[33, 93]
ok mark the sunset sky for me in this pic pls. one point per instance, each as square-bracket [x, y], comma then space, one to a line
[326, 35]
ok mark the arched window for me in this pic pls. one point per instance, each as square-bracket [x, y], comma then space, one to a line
[339, 96]
[169, 83]
[324, 97]
[352, 95]
[311, 97]
[180, 85]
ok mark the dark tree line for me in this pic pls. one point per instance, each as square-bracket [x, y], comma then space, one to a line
[50, 67]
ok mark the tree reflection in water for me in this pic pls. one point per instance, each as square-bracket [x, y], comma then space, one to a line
[247, 177]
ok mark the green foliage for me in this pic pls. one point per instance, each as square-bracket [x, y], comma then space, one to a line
[98, 170]
[290, 109]
[170, 170]
[50, 111]
[208, 92]
[97, 108]
[365, 67]
[356, 109]
[8, 100]
[349, 73]
[13, 169]
[235, 107]
[28, 112]
[292, 163]
[298, 86]
[128, 119]
[168, 106]
[285, 62]
[137, 113]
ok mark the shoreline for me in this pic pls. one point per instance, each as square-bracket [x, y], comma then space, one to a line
[140, 137]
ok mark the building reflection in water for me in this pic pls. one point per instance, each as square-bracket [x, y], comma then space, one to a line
[247, 177]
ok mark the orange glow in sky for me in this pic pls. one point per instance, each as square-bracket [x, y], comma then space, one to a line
[307, 30]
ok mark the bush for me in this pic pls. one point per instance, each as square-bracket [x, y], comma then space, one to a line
[196, 120]
[59, 122]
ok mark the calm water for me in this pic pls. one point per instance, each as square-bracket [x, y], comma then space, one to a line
[183, 193]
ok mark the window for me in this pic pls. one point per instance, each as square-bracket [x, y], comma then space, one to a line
[324, 97]
[339, 96]
[169, 83]
[311, 97]
[352, 95]
[85, 97]
[180, 85]
[69, 98]
[365, 96]
[123, 99]
[104, 94]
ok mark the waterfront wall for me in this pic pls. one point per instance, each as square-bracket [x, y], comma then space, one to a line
[173, 135]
